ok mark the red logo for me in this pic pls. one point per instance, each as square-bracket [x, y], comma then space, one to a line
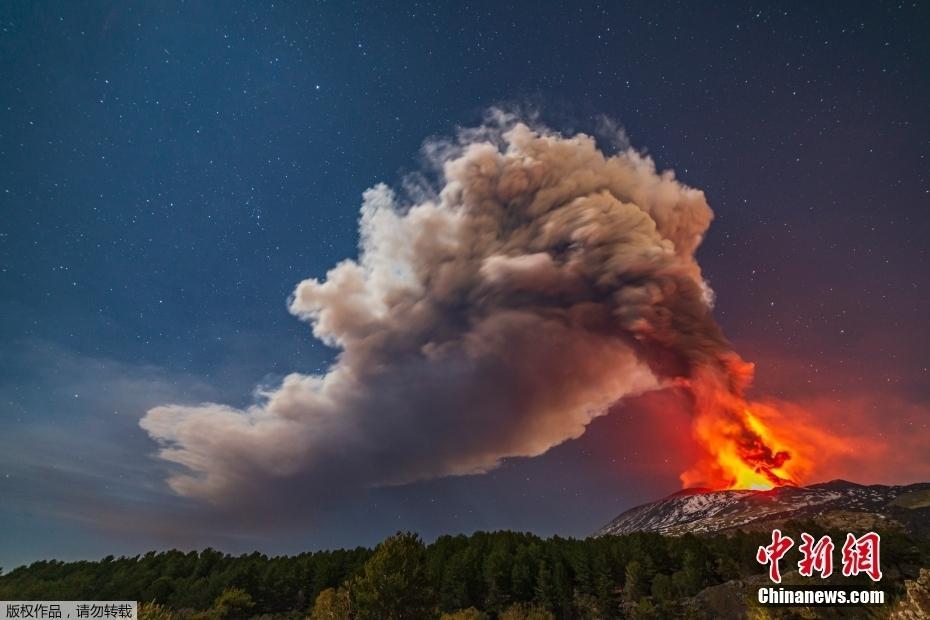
[816, 557]
[773, 553]
[859, 555]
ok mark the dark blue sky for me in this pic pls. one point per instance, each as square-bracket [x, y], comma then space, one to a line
[169, 172]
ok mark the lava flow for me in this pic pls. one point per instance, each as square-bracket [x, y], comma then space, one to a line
[744, 446]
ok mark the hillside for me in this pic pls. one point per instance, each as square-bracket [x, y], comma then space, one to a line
[838, 504]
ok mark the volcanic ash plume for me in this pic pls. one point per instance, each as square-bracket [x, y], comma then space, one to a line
[493, 317]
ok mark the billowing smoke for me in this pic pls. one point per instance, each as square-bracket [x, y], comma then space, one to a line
[494, 316]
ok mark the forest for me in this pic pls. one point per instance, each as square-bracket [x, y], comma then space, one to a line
[504, 575]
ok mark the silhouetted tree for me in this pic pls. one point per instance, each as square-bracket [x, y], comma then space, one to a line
[393, 583]
[332, 604]
[233, 604]
[634, 583]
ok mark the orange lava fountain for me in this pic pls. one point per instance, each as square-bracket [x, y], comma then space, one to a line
[745, 444]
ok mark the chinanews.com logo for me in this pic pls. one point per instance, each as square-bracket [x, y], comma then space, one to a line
[859, 556]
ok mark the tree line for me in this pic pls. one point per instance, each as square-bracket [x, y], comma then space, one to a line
[505, 575]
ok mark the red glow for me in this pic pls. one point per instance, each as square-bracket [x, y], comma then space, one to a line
[743, 447]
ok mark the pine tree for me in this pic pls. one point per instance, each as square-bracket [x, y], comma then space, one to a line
[332, 604]
[393, 583]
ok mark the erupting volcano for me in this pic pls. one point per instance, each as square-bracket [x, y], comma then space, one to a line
[743, 448]
[743, 452]
[494, 314]
[744, 444]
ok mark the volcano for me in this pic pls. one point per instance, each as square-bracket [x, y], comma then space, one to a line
[836, 504]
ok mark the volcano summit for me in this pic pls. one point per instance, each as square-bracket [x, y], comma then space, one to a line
[835, 504]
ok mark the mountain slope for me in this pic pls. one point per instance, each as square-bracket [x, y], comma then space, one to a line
[838, 503]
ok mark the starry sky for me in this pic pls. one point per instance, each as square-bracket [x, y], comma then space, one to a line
[170, 171]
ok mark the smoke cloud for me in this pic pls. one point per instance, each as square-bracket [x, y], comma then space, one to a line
[492, 316]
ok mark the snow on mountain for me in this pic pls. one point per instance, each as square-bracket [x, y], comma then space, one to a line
[700, 511]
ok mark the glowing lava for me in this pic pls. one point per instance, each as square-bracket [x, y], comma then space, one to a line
[746, 445]
[745, 453]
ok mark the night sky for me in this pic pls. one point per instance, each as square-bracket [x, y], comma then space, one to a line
[170, 171]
